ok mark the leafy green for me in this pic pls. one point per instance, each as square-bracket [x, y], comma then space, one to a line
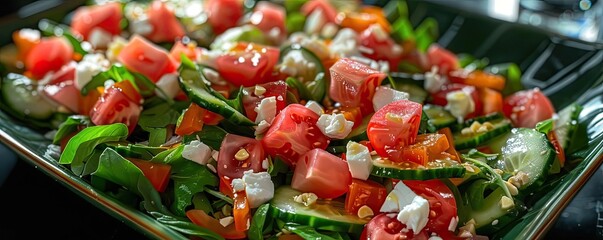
[318, 87]
[210, 135]
[306, 232]
[82, 145]
[545, 126]
[200, 201]
[426, 126]
[302, 90]
[71, 125]
[51, 28]
[184, 226]
[219, 195]
[161, 115]
[157, 136]
[256, 228]
[512, 74]
[138, 151]
[426, 33]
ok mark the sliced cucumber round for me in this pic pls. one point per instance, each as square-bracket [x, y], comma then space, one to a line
[438, 116]
[23, 98]
[465, 141]
[411, 171]
[530, 152]
[323, 214]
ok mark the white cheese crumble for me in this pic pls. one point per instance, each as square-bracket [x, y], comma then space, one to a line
[266, 110]
[114, 48]
[168, 83]
[315, 107]
[359, 160]
[226, 221]
[315, 21]
[399, 197]
[262, 127]
[99, 38]
[197, 151]
[459, 104]
[434, 81]
[415, 214]
[238, 185]
[345, 43]
[88, 67]
[385, 95]
[141, 26]
[334, 125]
[258, 187]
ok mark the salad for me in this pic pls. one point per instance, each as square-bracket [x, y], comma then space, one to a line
[231, 119]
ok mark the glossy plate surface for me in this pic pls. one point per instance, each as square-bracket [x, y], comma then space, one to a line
[564, 69]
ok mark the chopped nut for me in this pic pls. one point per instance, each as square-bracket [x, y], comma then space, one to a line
[520, 179]
[365, 211]
[466, 131]
[475, 126]
[469, 227]
[494, 222]
[227, 210]
[469, 168]
[242, 155]
[306, 198]
[488, 125]
[392, 117]
[259, 90]
[506, 202]
[512, 189]
[482, 129]
[498, 171]
[226, 221]
[465, 234]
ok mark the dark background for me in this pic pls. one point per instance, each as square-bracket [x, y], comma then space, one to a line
[32, 205]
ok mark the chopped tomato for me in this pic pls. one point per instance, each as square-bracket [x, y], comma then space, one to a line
[106, 17]
[479, 78]
[324, 5]
[369, 193]
[552, 136]
[439, 98]
[353, 84]
[223, 14]
[492, 100]
[251, 100]
[241, 211]
[225, 187]
[428, 147]
[144, 57]
[211, 118]
[451, 150]
[394, 126]
[445, 60]
[248, 65]
[25, 42]
[190, 50]
[166, 27]
[360, 21]
[314, 173]
[442, 205]
[61, 88]
[201, 218]
[382, 46]
[528, 107]
[119, 103]
[86, 103]
[293, 133]
[386, 227]
[191, 121]
[157, 173]
[49, 55]
[269, 17]
[231, 165]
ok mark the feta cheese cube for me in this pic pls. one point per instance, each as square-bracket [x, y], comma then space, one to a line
[385, 95]
[399, 197]
[88, 67]
[459, 104]
[433, 80]
[266, 110]
[315, 21]
[345, 43]
[99, 38]
[238, 185]
[359, 160]
[262, 127]
[315, 107]
[334, 125]
[168, 83]
[258, 187]
[197, 151]
[415, 214]
[141, 26]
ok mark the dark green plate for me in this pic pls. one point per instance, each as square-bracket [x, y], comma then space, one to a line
[566, 70]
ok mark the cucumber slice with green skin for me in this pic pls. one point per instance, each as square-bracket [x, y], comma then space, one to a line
[23, 99]
[323, 214]
[309, 64]
[498, 142]
[530, 152]
[438, 116]
[383, 167]
[462, 141]
[357, 134]
[485, 118]
[566, 124]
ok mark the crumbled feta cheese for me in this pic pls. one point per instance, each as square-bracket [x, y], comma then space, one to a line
[454, 221]
[329, 30]
[265, 164]
[99, 38]
[168, 83]
[226, 221]
[295, 64]
[31, 35]
[141, 26]
[238, 185]
[415, 214]
[433, 80]
[378, 32]
[345, 43]
[88, 67]
[262, 127]
[197, 152]
[266, 110]
[114, 48]
[258, 187]
[359, 160]
[334, 125]
[315, 21]
[385, 95]
[459, 104]
[399, 197]
[315, 107]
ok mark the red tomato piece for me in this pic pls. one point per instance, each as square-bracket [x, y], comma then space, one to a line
[146, 58]
[383, 46]
[445, 60]
[166, 27]
[552, 136]
[314, 173]
[276, 89]
[353, 114]
[157, 173]
[248, 64]
[201, 218]
[369, 193]
[190, 50]
[49, 55]
[106, 17]
[442, 205]
[528, 107]
[267, 16]
[439, 98]
[293, 133]
[229, 166]
[223, 14]
[428, 147]
[386, 227]
[119, 103]
[353, 84]
[394, 126]
[327, 9]
[241, 211]
[191, 121]
[61, 88]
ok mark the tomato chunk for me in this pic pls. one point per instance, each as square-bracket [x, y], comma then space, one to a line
[201, 218]
[119, 103]
[314, 173]
[353, 84]
[394, 126]
[528, 107]
[293, 133]
[386, 227]
[269, 17]
[223, 14]
[440, 57]
[248, 64]
[428, 147]
[191, 121]
[232, 166]
[144, 57]
[48, 56]
[369, 193]
[441, 203]
[106, 17]
[157, 173]
[166, 27]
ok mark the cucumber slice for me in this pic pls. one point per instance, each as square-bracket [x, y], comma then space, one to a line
[463, 141]
[485, 118]
[23, 98]
[383, 167]
[323, 214]
[308, 65]
[566, 124]
[438, 116]
[530, 152]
